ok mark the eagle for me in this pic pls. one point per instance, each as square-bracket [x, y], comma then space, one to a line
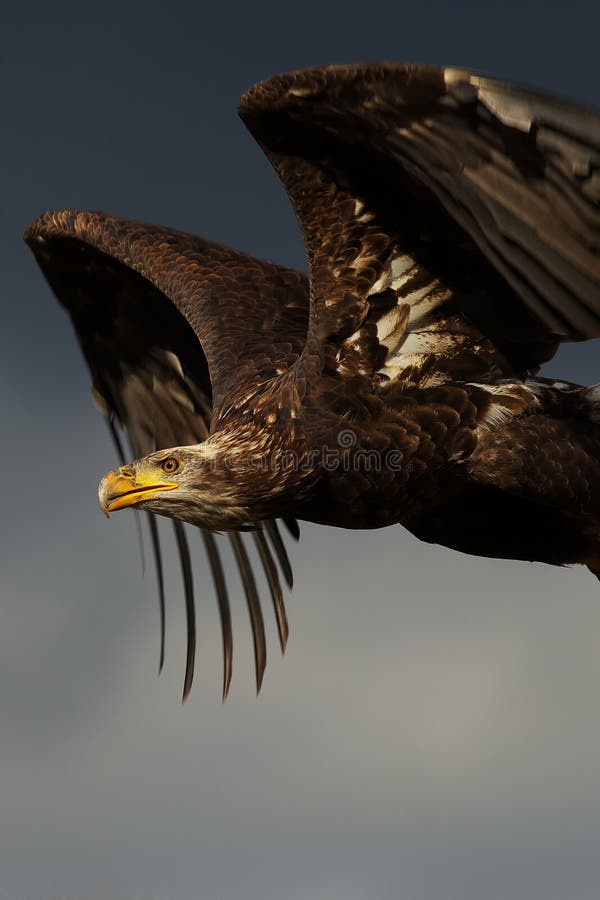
[452, 228]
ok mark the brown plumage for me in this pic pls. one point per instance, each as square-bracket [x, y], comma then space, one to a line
[452, 226]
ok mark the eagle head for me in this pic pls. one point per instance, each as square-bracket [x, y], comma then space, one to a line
[188, 483]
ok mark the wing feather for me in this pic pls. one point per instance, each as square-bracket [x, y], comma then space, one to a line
[190, 609]
[274, 535]
[485, 193]
[253, 604]
[160, 581]
[270, 570]
[148, 367]
[216, 567]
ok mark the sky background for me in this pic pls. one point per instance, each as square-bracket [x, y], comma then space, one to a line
[434, 730]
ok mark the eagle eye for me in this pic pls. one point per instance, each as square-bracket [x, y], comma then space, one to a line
[170, 465]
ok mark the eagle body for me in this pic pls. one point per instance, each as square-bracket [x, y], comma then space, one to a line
[452, 229]
[477, 468]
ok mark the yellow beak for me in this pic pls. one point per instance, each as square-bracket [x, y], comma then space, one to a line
[124, 487]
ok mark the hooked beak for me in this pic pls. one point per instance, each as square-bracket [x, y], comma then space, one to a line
[123, 487]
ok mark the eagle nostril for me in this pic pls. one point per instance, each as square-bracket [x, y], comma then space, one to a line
[125, 471]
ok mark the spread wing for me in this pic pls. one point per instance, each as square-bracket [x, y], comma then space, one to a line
[452, 222]
[169, 324]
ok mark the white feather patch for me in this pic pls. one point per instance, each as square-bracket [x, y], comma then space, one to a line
[517, 397]
[174, 361]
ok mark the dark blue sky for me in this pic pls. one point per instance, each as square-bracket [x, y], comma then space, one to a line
[434, 730]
